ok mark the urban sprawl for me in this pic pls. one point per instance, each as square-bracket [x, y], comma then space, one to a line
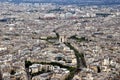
[46, 41]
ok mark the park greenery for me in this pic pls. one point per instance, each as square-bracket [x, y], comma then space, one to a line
[78, 39]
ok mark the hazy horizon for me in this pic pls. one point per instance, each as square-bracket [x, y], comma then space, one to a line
[104, 2]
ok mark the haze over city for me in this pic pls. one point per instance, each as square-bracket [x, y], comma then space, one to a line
[59, 39]
[100, 2]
